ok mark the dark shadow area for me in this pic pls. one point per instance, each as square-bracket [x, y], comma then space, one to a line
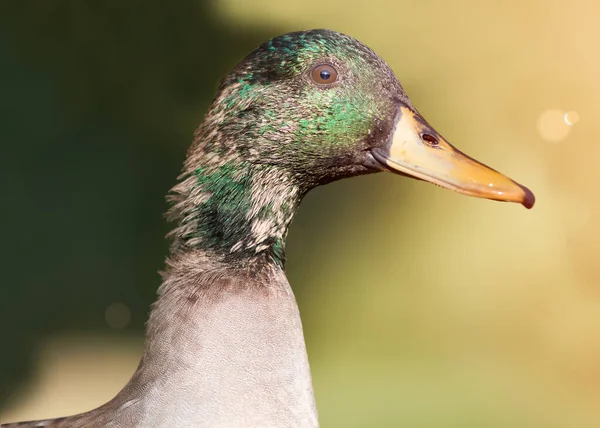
[99, 103]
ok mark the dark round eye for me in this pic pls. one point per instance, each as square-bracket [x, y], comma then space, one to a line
[429, 139]
[324, 74]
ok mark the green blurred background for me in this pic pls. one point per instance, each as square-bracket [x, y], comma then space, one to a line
[422, 308]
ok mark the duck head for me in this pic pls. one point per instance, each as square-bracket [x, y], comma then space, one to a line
[308, 108]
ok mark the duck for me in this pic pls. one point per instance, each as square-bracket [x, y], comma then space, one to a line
[224, 342]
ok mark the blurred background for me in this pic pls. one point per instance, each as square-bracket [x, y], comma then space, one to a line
[421, 307]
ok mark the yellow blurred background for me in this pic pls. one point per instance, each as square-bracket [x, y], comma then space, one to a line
[421, 307]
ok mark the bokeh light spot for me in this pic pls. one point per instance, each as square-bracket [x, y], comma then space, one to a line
[117, 315]
[552, 125]
[571, 118]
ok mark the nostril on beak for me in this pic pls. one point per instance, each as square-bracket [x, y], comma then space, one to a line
[429, 139]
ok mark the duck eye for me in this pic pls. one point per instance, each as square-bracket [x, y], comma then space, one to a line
[324, 74]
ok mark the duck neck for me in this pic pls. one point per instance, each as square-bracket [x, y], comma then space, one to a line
[224, 344]
[224, 347]
[236, 210]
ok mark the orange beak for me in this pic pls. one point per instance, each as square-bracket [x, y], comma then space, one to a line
[417, 150]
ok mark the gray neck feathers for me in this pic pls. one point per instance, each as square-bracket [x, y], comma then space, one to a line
[224, 348]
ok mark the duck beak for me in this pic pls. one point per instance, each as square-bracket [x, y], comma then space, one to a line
[415, 149]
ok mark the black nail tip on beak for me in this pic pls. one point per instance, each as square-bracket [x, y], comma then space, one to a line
[529, 200]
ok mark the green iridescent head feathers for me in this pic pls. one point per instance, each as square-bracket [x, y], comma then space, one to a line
[273, 133]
